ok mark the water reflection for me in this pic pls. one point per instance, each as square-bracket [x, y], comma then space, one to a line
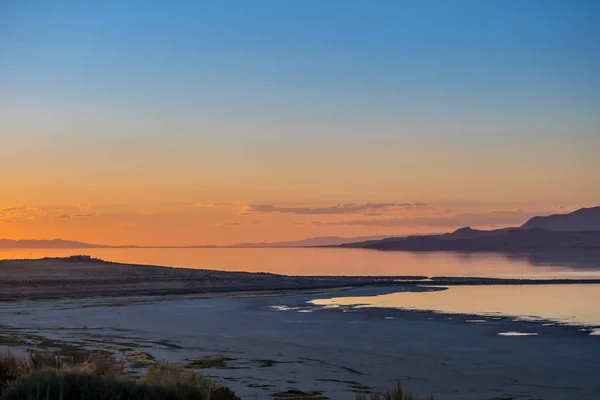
[573, 304]
[332, 261]
[572, 259]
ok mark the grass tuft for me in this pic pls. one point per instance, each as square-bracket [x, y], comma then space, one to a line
[47, 376]
[396, 393]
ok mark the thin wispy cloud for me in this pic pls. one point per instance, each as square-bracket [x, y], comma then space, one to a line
[18, 214]
[487, 218]
[215, 205]
[23, 213]
[10, 209]
[236, 223]
[72, 216]
[334, 209]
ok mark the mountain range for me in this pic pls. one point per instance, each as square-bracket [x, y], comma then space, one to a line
[47, 244]
[579, 230]
[315, 241]
[71, 244]
[576, 230]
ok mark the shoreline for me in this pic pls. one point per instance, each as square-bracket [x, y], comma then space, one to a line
[86, 277]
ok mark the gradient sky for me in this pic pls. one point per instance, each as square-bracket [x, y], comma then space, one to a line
[152, 122]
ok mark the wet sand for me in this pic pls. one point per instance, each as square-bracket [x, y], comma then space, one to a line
[262, 345]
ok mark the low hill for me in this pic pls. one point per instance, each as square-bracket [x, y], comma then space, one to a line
[46, 244]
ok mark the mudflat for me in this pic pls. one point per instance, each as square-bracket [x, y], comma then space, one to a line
[83, 276]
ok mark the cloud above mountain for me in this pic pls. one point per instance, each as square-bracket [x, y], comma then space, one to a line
[333, 209]
[370, 209]
[19, 214]
[446, 219]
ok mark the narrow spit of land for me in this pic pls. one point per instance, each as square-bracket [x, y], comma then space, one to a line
[82, 276]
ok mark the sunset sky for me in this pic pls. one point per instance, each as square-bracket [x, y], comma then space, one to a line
[179, 123]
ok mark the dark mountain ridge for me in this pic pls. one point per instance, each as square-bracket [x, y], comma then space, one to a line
[47, 244]
[314, 241]
[573, 231]
[584, 219]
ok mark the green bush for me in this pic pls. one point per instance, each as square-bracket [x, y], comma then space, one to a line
[70, 385]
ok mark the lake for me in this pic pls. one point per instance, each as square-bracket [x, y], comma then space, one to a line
[332, 261]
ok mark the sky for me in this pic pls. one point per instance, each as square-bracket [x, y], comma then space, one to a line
[192, 122]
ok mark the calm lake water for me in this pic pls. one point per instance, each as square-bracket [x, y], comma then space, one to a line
[571, 304]
[330, 261]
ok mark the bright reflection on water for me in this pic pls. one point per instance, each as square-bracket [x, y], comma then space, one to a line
[331, 261]
[573, 304]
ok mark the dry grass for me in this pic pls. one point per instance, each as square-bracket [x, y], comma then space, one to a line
[47, 376]
[103, 365]
[396, 393]
[11, 369]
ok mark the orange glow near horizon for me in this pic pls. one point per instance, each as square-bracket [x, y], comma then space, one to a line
[223, 223]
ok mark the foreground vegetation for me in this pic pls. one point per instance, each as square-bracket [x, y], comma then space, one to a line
[47, 376]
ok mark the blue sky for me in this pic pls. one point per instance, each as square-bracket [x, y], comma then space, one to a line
[320, 59]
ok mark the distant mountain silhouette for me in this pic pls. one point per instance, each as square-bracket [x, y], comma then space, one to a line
[470, 233]
[584, 219]
[579, 230]
[535, 239]
[71, 244]
[315, 241]
[46, 244]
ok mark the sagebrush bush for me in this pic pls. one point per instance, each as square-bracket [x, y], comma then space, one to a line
[396, 393]
[66, 385]
[47, 376]
[39, 360]
[103, 365]
[11, 369]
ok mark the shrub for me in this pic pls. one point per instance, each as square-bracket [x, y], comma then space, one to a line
[59, 385]
[396, 393]
[39, 360]
[11, 369]
[103, 365]
[168, 374]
